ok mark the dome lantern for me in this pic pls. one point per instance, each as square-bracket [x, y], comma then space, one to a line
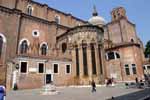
[96, 20]
[95, 13]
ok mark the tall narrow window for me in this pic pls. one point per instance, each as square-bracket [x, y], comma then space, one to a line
[127, 69]
[68, 69]
[55, 68]
[134, 68]
[93, 59]
[29, 10]
[23, 67]
[24, 47]
[43, 49]
[1, 45]
[77, 61]
[85, 66]
[100, 59]
[64, 47]
[41, 68]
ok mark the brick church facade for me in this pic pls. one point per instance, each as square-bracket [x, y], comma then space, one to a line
[40, 45]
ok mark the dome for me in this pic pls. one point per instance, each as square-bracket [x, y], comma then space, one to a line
[96, 20]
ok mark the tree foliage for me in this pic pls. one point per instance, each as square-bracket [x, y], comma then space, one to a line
[147, 50]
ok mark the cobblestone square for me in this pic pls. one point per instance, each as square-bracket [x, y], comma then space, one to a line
[72, 93]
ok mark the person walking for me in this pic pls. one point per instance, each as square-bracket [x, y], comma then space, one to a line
[93, 86]
[2, 92]
[137, 82]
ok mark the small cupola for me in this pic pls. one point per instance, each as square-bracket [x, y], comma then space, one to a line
[96, 20]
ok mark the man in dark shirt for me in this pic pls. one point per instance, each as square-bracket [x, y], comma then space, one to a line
[93, 86]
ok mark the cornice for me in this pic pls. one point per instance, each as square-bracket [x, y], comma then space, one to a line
[82, 28]
[43, 58]
[7, 10]
[122, 45]
[117, 21]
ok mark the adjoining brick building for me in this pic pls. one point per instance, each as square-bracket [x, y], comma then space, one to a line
[39, 44]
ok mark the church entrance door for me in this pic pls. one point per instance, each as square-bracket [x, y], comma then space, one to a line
[48, 78]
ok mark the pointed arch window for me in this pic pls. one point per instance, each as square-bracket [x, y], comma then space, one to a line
[1, 45]
[43, 49]
[29, 10]
[24, 47]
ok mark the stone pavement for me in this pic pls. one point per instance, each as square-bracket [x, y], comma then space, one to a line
[139, 95]
[71, 93]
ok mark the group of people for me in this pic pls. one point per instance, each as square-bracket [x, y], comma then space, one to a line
[147, 79]
[141, 82]
[109, 81]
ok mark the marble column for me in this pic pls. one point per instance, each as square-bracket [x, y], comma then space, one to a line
[74, 62]
[103, 68]
[89, 62]
[97, 61]
[100, 62]
[81, 61]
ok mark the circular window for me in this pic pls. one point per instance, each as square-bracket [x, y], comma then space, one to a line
[35, 33]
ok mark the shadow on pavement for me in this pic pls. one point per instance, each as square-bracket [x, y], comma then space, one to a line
[140, 95]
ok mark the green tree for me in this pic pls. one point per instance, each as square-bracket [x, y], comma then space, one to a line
[147, 50]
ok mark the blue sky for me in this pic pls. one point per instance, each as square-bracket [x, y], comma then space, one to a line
[138, 11]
